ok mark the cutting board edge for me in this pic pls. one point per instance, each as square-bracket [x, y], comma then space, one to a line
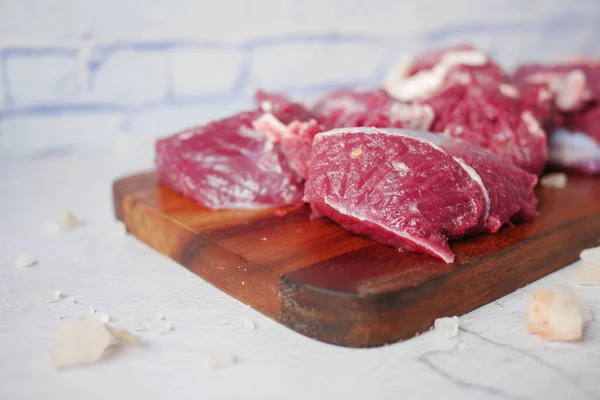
[300, 314]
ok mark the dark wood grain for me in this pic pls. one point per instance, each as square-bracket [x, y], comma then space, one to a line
[340, 288]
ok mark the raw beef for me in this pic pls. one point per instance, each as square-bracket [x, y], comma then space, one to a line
[473, 101]
[228, 164]
[290, 124]
[575, 124]
[295, 138]
[351, 107]
[574, 85]
[422, 77]
[414, 190]
[482, 114]
[286, 110]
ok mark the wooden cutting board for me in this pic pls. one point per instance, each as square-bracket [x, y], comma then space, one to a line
[331, 285]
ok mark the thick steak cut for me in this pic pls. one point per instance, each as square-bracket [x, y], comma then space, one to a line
[414, 190]
[228, 164]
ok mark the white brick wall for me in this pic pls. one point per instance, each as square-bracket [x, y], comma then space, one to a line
[147, 68]
[40, 78]
[2, 92]
[304, 65]
[129, 77]
[197, 72]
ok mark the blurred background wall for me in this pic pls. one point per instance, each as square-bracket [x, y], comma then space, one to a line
[92, 73]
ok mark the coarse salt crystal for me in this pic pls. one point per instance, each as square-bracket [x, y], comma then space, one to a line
[221, 359]
[247, 323]
[588, 274]
[102, 317]
[68, 220]
[124, 336]
[121, 230]
[556, 314]
[446, 326]
[556, 180]
[51, 297]
[84, 342]
[591, 255]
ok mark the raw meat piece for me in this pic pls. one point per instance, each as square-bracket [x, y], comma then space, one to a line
[473, 100]
[482, 115]
[282, 107]
[574, 84]
[350, 107]
[228, 164]
[295, 138]
[575, 125]
[425, 75]
[414, 190]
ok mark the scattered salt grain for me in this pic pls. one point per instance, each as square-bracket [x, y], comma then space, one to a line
[124, 336]
[591, 255]
[221, 359]
[24, 261]
[51, 297]
[101, 317]
[121, 230]
[555, 181]
[556, 314]
[82, 342]
[67, 221]
[263, 238]
[588, 274]
[247, 324]
[446, 326]
[85, 341]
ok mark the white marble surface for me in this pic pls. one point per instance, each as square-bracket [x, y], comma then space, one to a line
[492, 357]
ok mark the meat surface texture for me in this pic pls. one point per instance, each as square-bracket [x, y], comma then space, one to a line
[574, 124]
[295, 139]
[472, 99]
[414, 190]
[353, 108]
[228, 164]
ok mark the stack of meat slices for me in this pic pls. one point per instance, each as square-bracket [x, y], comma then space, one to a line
[364, 158]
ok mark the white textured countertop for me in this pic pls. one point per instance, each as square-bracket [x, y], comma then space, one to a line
[493, 357]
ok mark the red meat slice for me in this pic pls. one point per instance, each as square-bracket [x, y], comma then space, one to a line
[414, 190]
[228, 164]
[295, 138]
[575, 122]
[472, 100]
[482, 114]
[351, 107]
